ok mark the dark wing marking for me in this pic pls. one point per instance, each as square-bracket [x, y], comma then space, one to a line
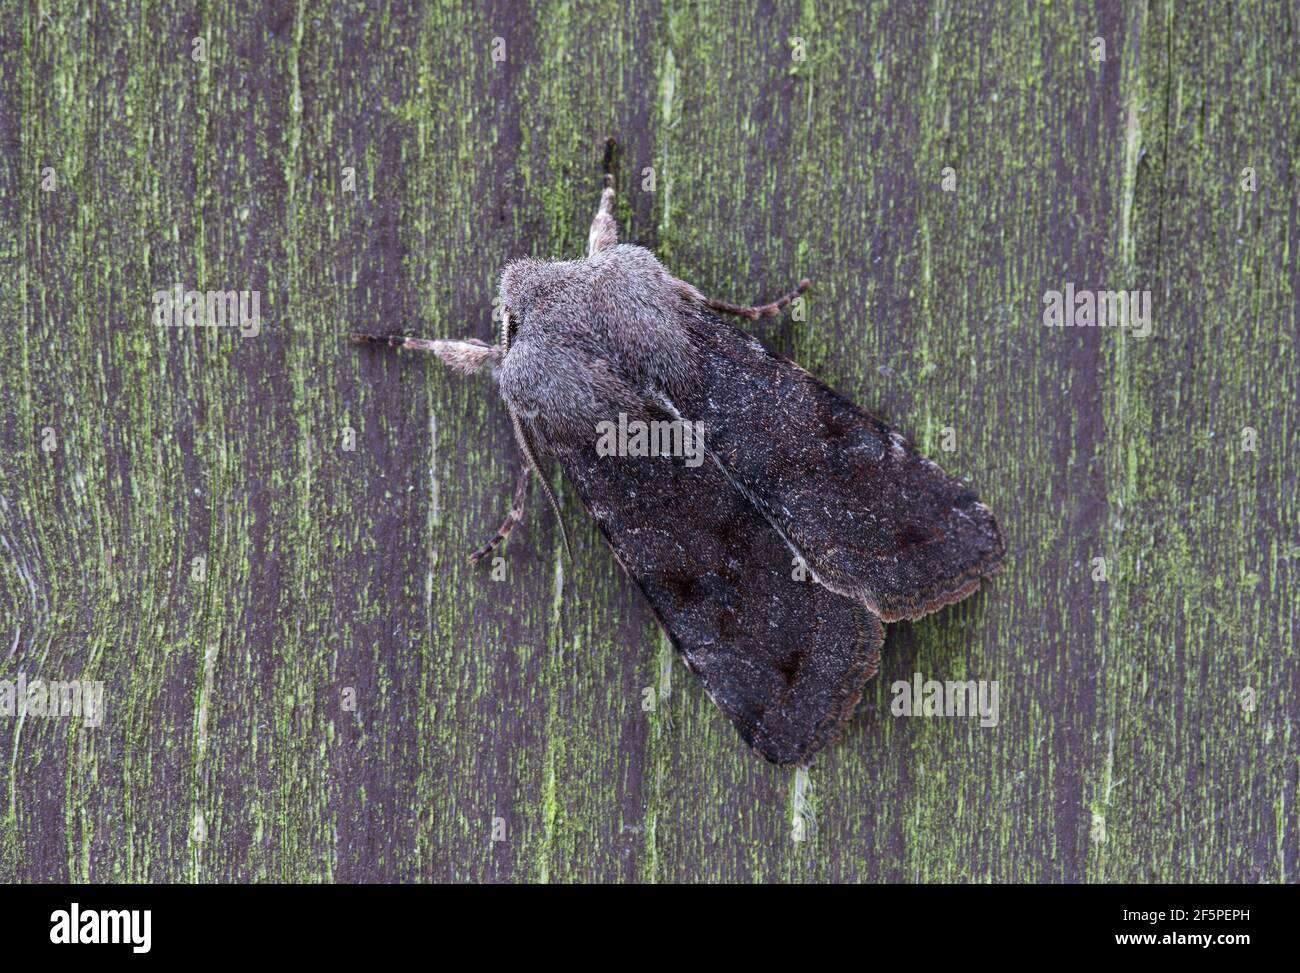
[786, 660]
[874, 519]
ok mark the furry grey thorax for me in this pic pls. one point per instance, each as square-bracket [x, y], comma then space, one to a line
[592, 338]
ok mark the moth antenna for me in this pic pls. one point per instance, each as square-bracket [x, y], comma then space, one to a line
[752, 312]
[530, 457]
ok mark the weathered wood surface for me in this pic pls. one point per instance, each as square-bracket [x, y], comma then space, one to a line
[1124, 751]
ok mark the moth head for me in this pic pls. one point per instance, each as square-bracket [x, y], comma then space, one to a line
[529, 287]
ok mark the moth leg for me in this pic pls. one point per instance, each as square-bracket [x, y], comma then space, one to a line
[604, 231]
[466, 356]
[526, 447]
[522, 482]
[755, 311]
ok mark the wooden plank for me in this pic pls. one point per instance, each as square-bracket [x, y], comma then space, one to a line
[1126, 749]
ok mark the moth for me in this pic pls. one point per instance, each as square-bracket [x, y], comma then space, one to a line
[773, 564]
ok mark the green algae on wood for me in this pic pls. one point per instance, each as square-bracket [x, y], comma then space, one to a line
[491, 733]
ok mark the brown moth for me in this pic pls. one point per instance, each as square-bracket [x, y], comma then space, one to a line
[772, 563]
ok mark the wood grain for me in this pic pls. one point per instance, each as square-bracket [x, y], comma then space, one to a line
[1124, 750]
